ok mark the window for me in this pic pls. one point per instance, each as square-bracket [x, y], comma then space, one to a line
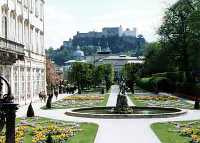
[26, 41]
[41, 44]
[36, 40]
[20, 30]
[22, 88]
[31, 38]
[12, 26]
[4, 27]
[41, 11]
[29, 83]
[16, 91]
[36, 8]
[32, 5]
[26, 3]
[38, 82]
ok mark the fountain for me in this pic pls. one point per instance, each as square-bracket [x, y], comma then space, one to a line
[122, 110]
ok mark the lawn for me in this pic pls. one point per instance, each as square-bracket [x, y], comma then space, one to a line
[83, 100]
[87, 136]
[178, 132]
[35, 130]
[161, 101]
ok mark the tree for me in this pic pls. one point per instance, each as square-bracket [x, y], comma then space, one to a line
[49, 100]
[180, 34]
[99, 74]
[108, 75]
[52, 77]
[82, 74]
[179, 46]
[156, 55]
[129, 73]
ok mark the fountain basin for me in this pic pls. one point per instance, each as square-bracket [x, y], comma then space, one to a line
[139, 112]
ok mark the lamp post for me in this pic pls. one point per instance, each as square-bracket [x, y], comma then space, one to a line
[7, 112]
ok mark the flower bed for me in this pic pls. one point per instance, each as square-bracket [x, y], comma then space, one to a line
[76, 101]
[157, 98]
[161, 101]
[37, 129]
[84, 97]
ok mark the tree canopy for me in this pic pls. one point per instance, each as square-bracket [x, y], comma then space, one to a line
[179, 46]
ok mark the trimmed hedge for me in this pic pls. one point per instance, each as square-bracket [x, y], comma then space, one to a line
[156, 84]
[145, 83]
[173, 76]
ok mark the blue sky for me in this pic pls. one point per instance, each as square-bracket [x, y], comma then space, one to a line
[65, 17]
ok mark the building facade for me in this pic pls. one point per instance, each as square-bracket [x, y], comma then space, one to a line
[118, 61]
[22, 35]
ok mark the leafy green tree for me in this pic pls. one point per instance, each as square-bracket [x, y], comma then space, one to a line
[180, 34]
[108, 75]
[157, 59]
[99, 74]
[179, 45]
[129, 72]
[82, 75]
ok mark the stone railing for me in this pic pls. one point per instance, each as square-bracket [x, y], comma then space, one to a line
[11, 46]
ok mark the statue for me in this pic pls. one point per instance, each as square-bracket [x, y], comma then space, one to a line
[122, 102]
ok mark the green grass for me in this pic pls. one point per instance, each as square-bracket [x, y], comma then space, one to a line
[137, 102]
[28, 136]
[167, 134]
[87, 135]
[105, 100]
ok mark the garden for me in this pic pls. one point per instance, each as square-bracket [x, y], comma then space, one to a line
[43, 130]
[161, 101]
[83, 100]
[178, 132]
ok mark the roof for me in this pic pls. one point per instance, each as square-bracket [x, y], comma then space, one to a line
[136, 62]
[78, 53]
[75, 61]
[121, 57]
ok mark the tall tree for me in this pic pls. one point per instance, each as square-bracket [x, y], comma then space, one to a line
[180, 34]
[52, 77]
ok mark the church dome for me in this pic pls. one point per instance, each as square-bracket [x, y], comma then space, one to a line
[78, 53]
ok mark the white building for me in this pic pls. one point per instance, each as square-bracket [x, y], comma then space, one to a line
[22, 36]
[130, 33]
[119, 61]
[112, 31]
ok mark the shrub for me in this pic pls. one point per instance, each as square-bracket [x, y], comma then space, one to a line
[30, 111]
[145, 83]
[156, 84]
[176, 77]
[49, 139]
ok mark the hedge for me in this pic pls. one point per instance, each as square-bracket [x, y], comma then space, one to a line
[173, 76]
[145, 83]
[156, 84]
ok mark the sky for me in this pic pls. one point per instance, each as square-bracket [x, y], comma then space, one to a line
[65, 17]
